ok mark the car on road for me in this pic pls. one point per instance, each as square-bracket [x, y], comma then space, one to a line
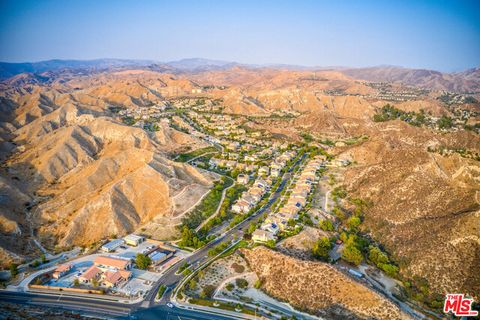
[170, 305]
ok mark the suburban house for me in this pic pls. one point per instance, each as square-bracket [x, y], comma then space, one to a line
[275, 173]
[241, 206]
[270, 227]
[260, 235]
[263, 171]
[61, 270]
[243, 178]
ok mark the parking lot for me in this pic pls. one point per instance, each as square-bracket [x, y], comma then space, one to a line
[141, 281]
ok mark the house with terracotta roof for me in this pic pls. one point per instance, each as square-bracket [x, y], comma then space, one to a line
[91, 273]
[114, 278]
[241, 206]
[61, 270]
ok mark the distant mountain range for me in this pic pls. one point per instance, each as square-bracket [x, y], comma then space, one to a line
[465, 81]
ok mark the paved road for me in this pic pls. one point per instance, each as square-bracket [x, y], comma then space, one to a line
[162, 312]
[170, 279]
[90, 306]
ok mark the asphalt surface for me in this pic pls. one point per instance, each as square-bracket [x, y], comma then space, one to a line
[90, 306]
[164, 312]
[148, 309]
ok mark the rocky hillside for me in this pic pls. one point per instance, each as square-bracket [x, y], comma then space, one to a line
[466, 81]
[317, 287]
[426, 207]
[69, 164]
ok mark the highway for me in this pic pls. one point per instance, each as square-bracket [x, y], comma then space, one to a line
[91, 306]
[149, 309]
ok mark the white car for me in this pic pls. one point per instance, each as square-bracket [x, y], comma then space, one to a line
[170, 305]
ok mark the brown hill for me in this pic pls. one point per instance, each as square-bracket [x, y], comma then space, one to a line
[73, 165]
[466, 81]
[317, 287]
[426, 207]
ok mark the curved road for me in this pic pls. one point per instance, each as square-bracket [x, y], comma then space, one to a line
[148, 309]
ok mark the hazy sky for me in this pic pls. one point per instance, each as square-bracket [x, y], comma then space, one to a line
[441, 35]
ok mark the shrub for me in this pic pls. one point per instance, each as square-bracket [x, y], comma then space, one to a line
[13, 269]
[321, 249]
[241, 283]
[207, 291]
[326, 225]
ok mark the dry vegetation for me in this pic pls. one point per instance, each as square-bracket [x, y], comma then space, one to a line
[317, 287]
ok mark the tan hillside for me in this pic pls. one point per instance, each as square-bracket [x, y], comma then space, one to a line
[317, 287]
[74, 165]
[425, 206]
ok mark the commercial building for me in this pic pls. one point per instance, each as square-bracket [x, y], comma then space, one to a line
[133, 239]
[112, 263]
[112, 245]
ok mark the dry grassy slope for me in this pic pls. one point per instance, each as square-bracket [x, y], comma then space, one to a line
[12, 200]
[426, 207]
[317, 287]
[256, 91]
[83, 167]
[123, 190]
[466, 81]
[301, 245]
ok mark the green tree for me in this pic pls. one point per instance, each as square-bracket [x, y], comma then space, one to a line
[94, 282]
[192, 284]
[43, 258]
[337, 211]
[377, 256]
[352, 254]
[445, 122]
[321, 249]
[291, 222]
[251, 228]
[234, 174]
[142, 261]
[353, 222]
[229, 286]
[326, 225]
[241, 283]
[270, 243]
[207, 291]
[13, 269]
[389, 269]
[76, 282]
